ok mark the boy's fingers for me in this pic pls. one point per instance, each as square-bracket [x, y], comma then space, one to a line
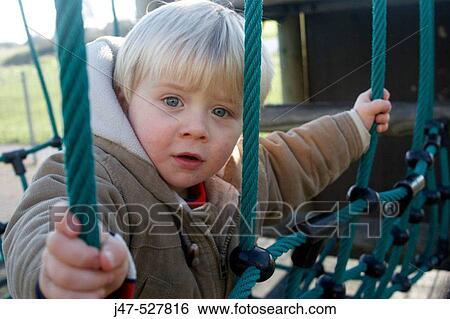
[364, 97]
[73, 251]
[119, 274]
[113, 253]
[382, 118]
[380, 106]
[52, 290]
[67, 224]
[382, 128]
[72, 278]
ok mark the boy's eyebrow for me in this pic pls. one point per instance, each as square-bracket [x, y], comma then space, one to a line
[180, 87]
[174, 85]
[224, 99]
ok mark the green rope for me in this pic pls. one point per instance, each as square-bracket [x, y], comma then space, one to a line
[252, 78]
[79, 162]
[346, 243]
[285, 243]
[116, 21]
[410, 249]
[2, 256]
[37, 65]
[423, 114]
[394, 258]
[426, 71]
[363, 287]
[244, 285]
[23, 181]
[313, 293]
[295, 277]
[307, 281]
[355, 272]
[283, 267]
[377, 84]
[433, 218]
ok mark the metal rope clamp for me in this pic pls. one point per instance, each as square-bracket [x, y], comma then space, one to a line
[413, 184]
[257, 257]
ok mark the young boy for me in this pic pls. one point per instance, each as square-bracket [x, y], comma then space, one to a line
[168, 165]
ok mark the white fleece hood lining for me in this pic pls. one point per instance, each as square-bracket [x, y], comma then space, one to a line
[107, 117]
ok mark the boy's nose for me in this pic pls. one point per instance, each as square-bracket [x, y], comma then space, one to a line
[195, 128]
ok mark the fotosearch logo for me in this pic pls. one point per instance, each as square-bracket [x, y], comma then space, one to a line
[319, 219]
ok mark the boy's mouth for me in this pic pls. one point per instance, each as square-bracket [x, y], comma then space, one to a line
[189, 161]
[190, 157]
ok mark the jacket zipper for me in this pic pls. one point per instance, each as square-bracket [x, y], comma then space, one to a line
[225, 249]
[222, 254]
[222, 257]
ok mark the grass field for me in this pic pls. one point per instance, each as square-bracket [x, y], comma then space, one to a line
[13, 123]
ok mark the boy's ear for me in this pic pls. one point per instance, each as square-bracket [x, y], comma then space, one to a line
[121, 98]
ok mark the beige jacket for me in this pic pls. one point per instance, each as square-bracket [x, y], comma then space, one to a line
[137, 203]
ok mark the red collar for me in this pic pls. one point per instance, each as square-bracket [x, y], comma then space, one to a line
[196, 195]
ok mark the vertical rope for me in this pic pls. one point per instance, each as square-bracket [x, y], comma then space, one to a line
[377, 85]
[433, 217]
[379, 24]
[252, 78]
[116, 21]
[37, 65]
[79, 163]
[426, 71]
[295, 277]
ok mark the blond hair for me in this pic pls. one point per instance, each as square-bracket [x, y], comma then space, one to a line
[191, 41]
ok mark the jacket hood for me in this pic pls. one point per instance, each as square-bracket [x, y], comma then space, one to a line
[107, 118]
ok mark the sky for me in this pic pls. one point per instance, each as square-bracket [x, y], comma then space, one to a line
[40, 16]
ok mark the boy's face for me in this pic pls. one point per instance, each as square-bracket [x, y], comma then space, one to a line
[188, 134]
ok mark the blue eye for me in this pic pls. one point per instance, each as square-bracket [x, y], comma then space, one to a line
[220, 112]
[172, 101]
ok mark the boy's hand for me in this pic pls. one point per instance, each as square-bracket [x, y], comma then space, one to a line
[72, 269]
[376, 110]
